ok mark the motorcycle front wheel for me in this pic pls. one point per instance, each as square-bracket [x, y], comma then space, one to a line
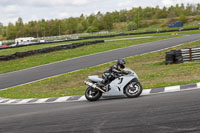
[133, 89]
[92, 94]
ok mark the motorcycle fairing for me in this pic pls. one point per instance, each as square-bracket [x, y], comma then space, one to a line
[117, 86]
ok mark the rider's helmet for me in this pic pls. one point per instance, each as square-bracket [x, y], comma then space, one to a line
[121, 63]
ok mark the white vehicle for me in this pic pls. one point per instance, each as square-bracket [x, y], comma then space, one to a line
[0, 43]
[126, 84]
[24, 41]
[42, 40]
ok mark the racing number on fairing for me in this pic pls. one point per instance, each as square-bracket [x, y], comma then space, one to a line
[121, 80]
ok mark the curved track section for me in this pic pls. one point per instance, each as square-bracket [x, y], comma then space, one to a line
[166, 113]
[37, 73]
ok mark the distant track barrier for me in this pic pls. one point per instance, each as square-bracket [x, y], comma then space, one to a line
[39, 43]
[182, 55]
[105, 36]
[150, 32]
[47, 50]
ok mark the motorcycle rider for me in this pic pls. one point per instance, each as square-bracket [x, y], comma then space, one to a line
[113, 72]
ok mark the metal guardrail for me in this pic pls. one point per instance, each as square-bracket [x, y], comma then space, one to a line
[191, 54]
[182, 55]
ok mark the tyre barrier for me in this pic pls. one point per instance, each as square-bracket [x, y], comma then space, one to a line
[182, 55]
[47, 50]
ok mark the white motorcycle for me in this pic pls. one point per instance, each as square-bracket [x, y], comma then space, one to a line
[125, 84]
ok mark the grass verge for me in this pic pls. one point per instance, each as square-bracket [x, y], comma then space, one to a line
[151, 68]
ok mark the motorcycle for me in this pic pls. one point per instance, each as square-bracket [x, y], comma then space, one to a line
[125, 84]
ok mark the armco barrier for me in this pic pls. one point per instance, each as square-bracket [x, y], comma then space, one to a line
[47, 50]
[182, 55]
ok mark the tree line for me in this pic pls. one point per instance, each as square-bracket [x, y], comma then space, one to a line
[135, 18]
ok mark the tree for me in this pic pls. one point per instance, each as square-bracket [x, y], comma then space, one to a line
[137, 17]
[91, 19]
[1, 28]
[71, 24]
[172, 14]
[19, 27]
[108, 21]
[123, 15]
[116, 17]
[11, 31]
[43, 27]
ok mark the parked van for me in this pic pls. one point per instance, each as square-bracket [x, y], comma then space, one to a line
[24, 41]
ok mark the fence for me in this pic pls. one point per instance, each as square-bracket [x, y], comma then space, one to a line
[191, 54]
[182, 55]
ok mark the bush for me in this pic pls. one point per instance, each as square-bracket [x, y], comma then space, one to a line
[165, 24]
[197, 18]
[132, 26]
[183, 18]
[92, 29]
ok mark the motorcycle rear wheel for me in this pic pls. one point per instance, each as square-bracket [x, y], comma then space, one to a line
[92, 94]
[133, 89]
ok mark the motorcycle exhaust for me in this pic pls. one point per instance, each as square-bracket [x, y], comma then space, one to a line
[94, 86]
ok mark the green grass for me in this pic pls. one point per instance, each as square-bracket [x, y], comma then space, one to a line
[41, 59]
[151, 68]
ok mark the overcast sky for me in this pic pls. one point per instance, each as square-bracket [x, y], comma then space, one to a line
[11, 10]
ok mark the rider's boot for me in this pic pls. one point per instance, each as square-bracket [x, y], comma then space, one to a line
[102, 85]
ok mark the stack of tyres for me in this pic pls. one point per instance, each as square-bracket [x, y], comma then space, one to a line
[178, 56]
[173, 57]
[170, 57]
[7, 57]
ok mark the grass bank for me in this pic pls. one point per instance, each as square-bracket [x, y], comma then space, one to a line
[151, 68]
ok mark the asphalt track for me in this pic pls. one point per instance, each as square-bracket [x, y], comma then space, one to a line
[164, 113]
[33, 74]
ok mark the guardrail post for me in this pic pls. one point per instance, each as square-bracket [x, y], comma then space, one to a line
[190, 52]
